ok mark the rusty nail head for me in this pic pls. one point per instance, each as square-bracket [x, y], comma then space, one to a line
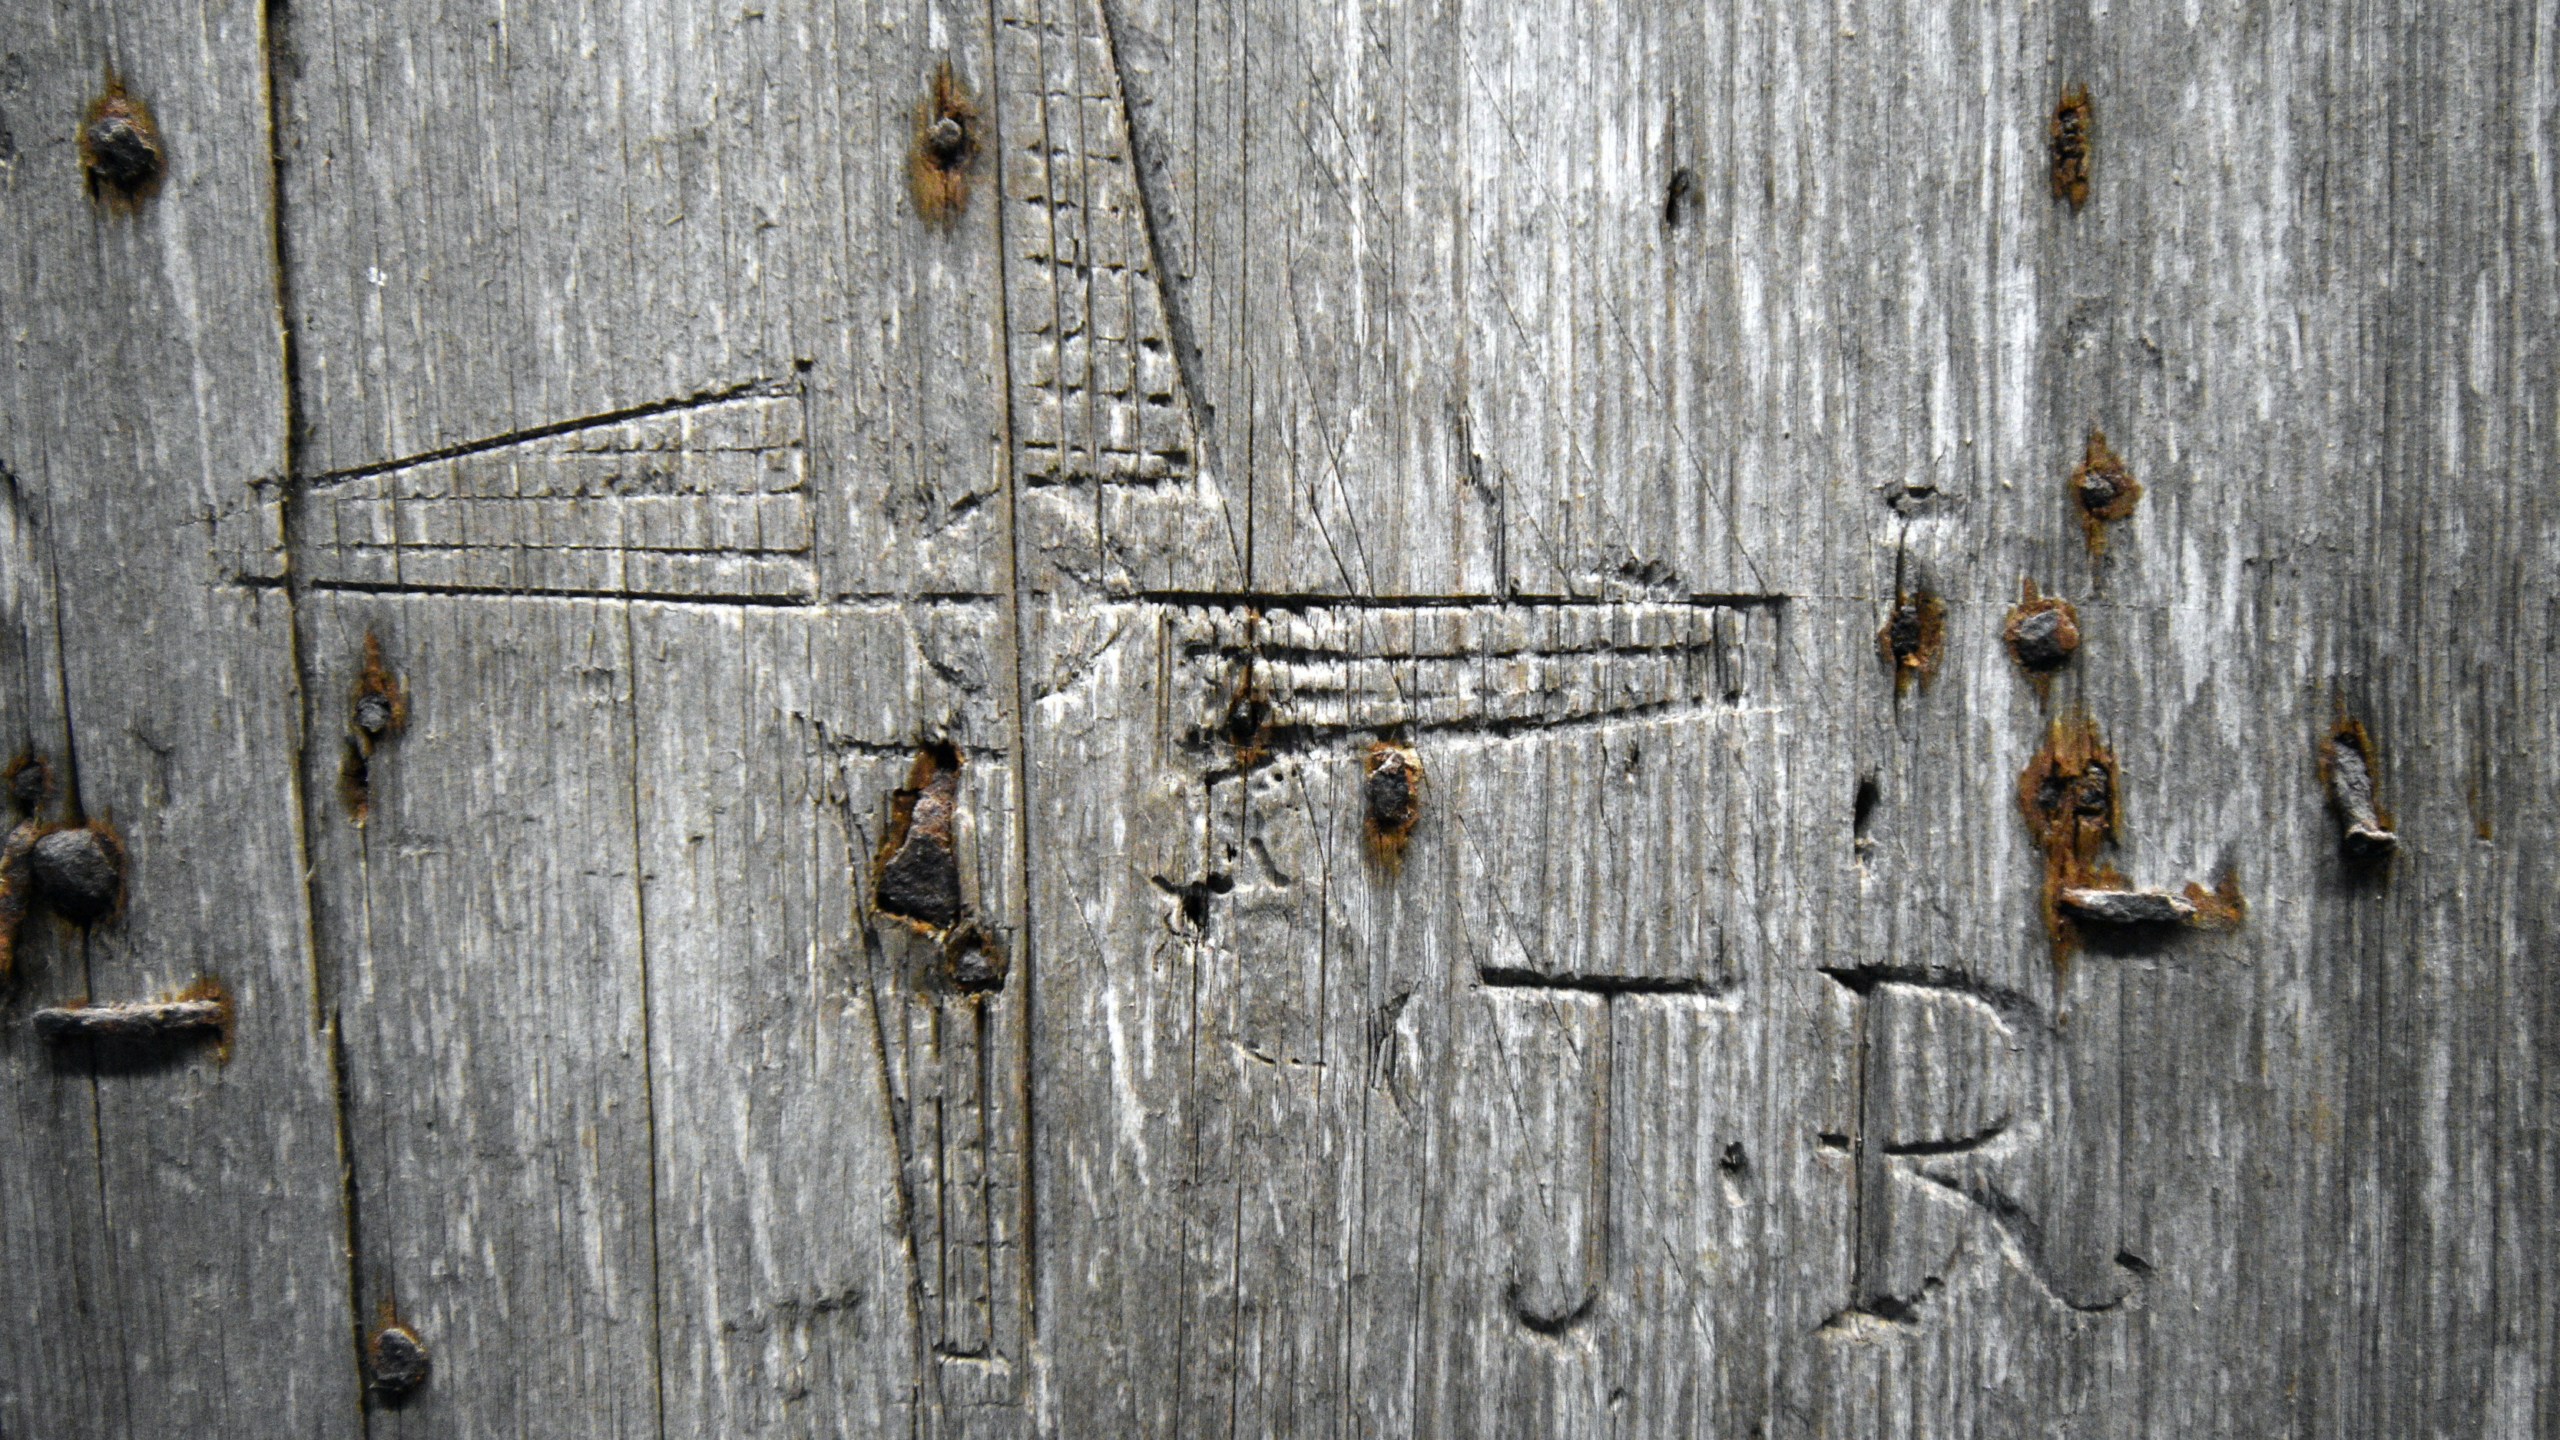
[398, 1359]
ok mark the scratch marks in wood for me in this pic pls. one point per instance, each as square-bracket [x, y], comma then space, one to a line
[1322, 675]
[1949, 1105]
[1507, 977]
[702, 500]
[1106, 437]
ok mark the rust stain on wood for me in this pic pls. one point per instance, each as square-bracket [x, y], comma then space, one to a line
[946, 143]
[2073, 129]
[2067, 795]
[1391, 801]
[2104, 490]
[376, 713]
[2043, 631]
[1913, 638]
[120, 150]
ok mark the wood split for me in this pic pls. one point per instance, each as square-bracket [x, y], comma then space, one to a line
[2346, 771]
[1391, 801]
[2104, 489]
[946, 143]
[2073, 128]
[202, 1009]
[2043, 631]
[1913, 637]
[120, 150]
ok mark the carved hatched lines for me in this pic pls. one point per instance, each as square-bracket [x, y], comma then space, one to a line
[1332, 672]
[1098, 395]
[709, 500]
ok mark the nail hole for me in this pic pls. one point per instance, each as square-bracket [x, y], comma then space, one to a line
[1680, 197]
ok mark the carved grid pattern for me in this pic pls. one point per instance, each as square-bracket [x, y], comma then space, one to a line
[1097, 394]
[708, 501]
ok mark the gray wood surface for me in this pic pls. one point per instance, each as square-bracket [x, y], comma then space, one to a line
[174, 1220]
[1648, 416]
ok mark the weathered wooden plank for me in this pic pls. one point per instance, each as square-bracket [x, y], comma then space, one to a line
[492, 232]
[1326, 1036]
[183, 1270]
[1111, 485]
[787, 1236]
[484, 927]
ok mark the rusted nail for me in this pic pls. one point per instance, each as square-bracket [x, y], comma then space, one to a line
[2073, 128]
[2067, 795]
[377, 711]
[2127, 907]
[397, 1360]
[915, 876]
[1391, 800]
[2043, 630]
[2346, 764]
[1247, 723]
[79, 871]
[119, 145]
[203, 1008]
[1912, 637]
[945, 144]
[2104, 489]
[973, 961]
